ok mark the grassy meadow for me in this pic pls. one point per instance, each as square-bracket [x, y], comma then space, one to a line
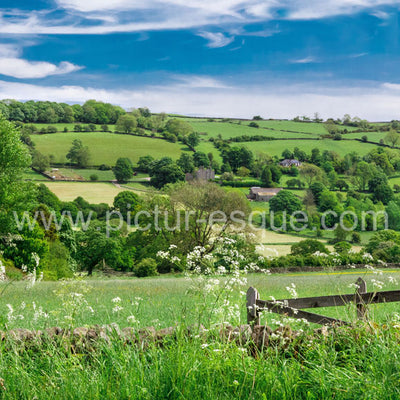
[92, 192]
[361, 362]
[106, 148]
[167, 300]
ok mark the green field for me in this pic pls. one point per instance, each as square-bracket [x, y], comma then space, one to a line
[86, 173]
[92, 192]
[342, 147]
[230, 130]
[358, 362]
[106, 148]
[60, 126]
[163, 299]
[33, 176]
[372, 136]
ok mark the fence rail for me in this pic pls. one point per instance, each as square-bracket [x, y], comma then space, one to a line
[295, 307]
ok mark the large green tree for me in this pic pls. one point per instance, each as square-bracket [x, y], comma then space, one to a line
[285, 201]
[14, 160]
[79, 154]
[126, 123]
[123, 169]
[165, 171]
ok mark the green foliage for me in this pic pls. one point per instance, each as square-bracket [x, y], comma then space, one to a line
[94, 177]
[79, 154]
[57, 262]
[39, 161]
[342, 247]
[266, 176]
[123, 169]
[165, 171]
[308, 247]
[144, 162]
[127, 201]
[193, 139]
[285, 201]
[14, 160]
[178, 127]
[126, 123]
[200, 159]
[186, 163]
[355, 238]
[146, 267]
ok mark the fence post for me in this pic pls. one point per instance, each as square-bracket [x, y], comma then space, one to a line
[253, 317]
[361, 307]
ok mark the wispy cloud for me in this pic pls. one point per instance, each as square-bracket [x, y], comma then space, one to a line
[196, 81]
[358, 55]
[306, 60]
[381, 14]
[216, 39]
[11, 64]
[105, 16]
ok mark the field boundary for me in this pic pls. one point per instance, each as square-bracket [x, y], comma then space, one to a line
[294, 307]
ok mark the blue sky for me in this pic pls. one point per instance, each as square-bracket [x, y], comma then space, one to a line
[237, 58]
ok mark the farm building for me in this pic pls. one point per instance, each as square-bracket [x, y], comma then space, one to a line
[262, 194]
[201, 174]
[290, 163]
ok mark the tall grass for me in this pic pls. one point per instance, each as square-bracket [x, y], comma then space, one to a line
[346, 365]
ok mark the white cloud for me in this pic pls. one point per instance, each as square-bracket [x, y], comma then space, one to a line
[155, 15]
[11, 64]
[379, 103]
[216, 39]
[24, 69]
[196, 81]
[316, 9]
[306, 60]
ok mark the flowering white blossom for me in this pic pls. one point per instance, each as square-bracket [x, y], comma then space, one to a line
[117, 309]
[3, 275]
[292, 290]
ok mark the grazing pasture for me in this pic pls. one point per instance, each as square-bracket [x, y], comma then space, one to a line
[342, 147]
[92, 192]
[106, 148]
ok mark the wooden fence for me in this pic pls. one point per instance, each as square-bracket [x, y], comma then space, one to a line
[294, 307]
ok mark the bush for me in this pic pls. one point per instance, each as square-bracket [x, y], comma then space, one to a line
[147, 267]
[337, 136]
[104, 167]
[308, 247]
[355, 238]
[342, 247]
[254, 125]
[241, 183]
[94, 177]
[364, 138]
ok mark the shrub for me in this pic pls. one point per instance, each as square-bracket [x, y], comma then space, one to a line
[342, 247]
[147, 267]
[104, 167]
[94, 177]
[337, 136]
[254, 125]
[355, 238]
[307, 247]
[364, 138]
